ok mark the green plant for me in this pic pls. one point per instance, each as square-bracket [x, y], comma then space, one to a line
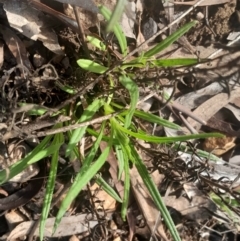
[120, 128]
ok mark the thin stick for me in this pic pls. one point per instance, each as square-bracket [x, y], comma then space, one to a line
[81, 31]
[75, 126]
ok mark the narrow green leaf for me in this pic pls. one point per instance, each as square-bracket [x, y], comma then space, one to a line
[134, 95]
[116, 29]
[156, 139]
[91, 66]
[68, 89]
[97, 43]
[86, 173]
[119, 135]
[58, 139]
[117, 13]
[126, 189]
[138, 62]
[169, 40]
[155, 194]
[120, 158]
[173, 62]
[33, 109]
[87, 115]
[108, 189]
[155, 119]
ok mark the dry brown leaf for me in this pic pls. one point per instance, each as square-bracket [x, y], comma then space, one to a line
[16, 46]
[219, 146]
[100, 196]
[89, 19]
[12, 155]
[236, 102]
[113, 170]
[146, 204]
[31, 23]
[218, 123]
[210, 107]
[194, 209]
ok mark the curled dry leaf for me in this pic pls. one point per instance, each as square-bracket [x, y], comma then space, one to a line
[101, 199]
[16, 152]
[219, 146]
[16, 46]
[212, 106]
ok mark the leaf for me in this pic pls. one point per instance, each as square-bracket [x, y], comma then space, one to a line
[156, 139]
[96, 42]
[117, 13]
[120, 158]
[155, 119]
[91, 66]
[38, 153]
[68, 89]
[169, 40]
[155, 194]
[58, 139]
[16, 47]
[86, 173]
[77, 134]
[108, 189]
[134, 95]
[117, 30]
[173, 62]
[126, 188]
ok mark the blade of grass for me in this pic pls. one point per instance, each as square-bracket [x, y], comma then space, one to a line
[68, 89]
[116, 29]
[108, 189]
[155, 119]
[87, 115]
[97, 43]
[173, 62]
[92, 66]
[126, 189]
[86, 173]
[124, 143]
[134, 95]
[117, 13]
[169, 40]
[156, 139]
[120, 158]
[58, 139]
[154, 194]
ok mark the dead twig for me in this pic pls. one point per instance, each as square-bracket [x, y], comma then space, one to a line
[204, 3]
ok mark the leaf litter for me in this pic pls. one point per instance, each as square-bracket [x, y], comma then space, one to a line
[176, 175]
